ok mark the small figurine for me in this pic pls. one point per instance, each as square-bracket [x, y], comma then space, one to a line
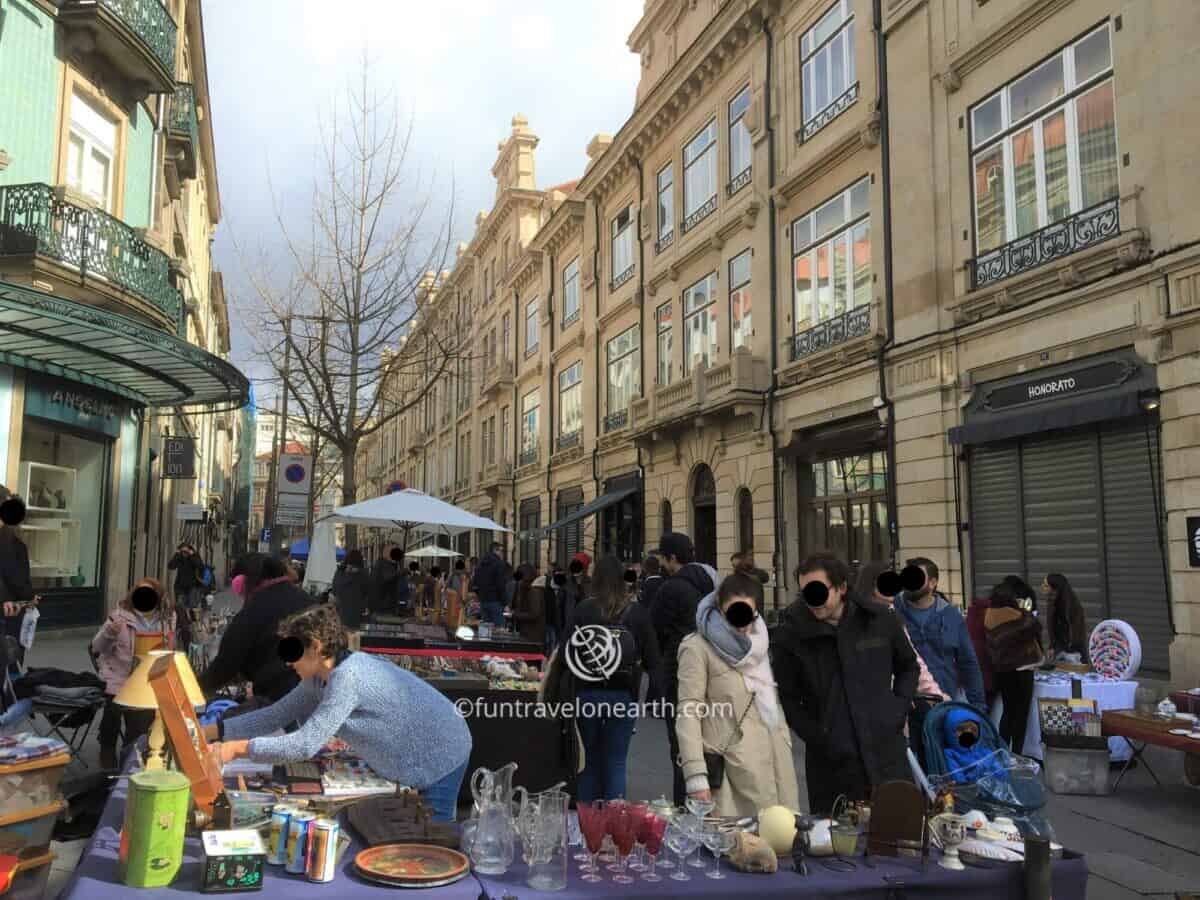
[62, 500]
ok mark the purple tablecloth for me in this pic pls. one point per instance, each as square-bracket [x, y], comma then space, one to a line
[97, 874]
[899, 878]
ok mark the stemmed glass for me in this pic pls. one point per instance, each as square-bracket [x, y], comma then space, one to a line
[681, 842]
[611, 807]
[593, 825]
[718, 842]
[624, 831]
[650, 833]
[640, 811]
[575, 838]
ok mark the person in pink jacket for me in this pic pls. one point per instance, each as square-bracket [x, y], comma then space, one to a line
[144, 610]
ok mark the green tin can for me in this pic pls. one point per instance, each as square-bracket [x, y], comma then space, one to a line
[156, 813]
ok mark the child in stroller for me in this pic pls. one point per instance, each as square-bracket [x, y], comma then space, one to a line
[964, 752]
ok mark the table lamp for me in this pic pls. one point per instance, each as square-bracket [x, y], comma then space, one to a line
[137, 693]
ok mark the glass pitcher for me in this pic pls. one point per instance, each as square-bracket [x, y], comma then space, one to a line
[492, 847]
[546, 840]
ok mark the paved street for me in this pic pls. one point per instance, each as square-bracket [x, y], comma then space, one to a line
[1143, 841]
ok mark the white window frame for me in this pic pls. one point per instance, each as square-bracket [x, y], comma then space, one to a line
[570, 379]
[813, 54]
[1067, 104]
[621, 247]
[739, 135]
[702, 314]
[666, 210]
[529, 421]
[739, 336]
[571, 292]
[614, 355]
[700, 150]
[90, 144]
[664, 329]
[532, 328]
[807, 241]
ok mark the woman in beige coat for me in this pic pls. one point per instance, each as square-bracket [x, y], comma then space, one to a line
[725, 677]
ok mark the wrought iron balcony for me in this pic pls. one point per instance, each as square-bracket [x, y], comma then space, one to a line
[828, 114]
[850, 324]
[569, 441]
[615, 421]
[620, 279]
[37, 221]
[664, 242]
[136, 36]
[571, 319]
[527, 457]
[739, 181]
[1089, 226]
[699, 215]
[183, 129]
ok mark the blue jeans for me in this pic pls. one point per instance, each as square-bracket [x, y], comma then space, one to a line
[492, 611]
[606, 740]
[442, 795]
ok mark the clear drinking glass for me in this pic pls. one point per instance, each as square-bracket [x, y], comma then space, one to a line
[680, 842]
[718, 842]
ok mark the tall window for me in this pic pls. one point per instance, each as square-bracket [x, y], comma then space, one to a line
[827, 66]
[1045, 146]
[622, 245]
[848, 510]
[831, 257]
[487, 440]
[447, 468]
[531, 326]
[699, 323]
[700, 170]
[740, 325]
[745, 518]
[504, 429]
[662, 322]
[570, 400]
[571, 292]
[623, 369]
[91, 151]
[506, 336]
[665, 514]
[529, 425]
[739, 139]
[666, 204]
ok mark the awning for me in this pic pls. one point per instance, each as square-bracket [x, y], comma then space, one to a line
[588, 509]
[1105, 387]
[115, 353]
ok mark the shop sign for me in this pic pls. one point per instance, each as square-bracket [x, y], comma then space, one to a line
[1193, 534]
[179, 457]
[74, 405]
[1066, 384]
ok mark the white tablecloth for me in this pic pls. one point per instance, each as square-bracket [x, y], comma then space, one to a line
[1107, 694]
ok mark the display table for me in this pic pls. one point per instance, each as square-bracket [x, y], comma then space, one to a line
[98, 875]
[1137, 730]
[885, 877]
[1107, 694]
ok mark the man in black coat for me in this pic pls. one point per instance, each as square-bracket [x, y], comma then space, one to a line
[847, 675]
[386, 586]
[673, 613]
[491, 580]
[189, 575]
[651, 581]
[16, 582]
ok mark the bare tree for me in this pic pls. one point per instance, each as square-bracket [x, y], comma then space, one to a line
[341, 333]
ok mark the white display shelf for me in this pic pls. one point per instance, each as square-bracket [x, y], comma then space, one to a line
[53, 546]
[42, 484]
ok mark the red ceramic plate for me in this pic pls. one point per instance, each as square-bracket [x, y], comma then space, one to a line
[411, 863]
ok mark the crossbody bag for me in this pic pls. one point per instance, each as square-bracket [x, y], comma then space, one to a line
[714, 760]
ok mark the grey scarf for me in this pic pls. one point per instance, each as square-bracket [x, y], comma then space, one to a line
[731, 645]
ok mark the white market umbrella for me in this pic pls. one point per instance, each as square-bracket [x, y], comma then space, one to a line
[423, 552]
[413, 510]
[322, 556]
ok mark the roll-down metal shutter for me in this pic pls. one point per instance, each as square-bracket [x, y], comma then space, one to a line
[996, 522]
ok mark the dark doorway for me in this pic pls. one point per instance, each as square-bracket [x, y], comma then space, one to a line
[704, 515]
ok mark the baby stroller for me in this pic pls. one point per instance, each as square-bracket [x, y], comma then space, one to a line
[1004, 785]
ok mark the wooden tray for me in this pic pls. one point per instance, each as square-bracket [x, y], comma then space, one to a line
[414, 865]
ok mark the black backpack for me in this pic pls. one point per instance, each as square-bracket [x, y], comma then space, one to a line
[628, 675]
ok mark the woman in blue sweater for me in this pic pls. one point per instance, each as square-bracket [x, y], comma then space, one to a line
[403, 728]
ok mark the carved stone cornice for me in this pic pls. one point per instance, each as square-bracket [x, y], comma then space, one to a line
[527, 267]
[565, 223]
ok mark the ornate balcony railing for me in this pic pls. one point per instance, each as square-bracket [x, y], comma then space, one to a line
[184, 126]
[850, 324]
[527, 457]
[616, 420]
[699, 215]
[829, 113]
[571, 319]
[568, 441]
[1085, 228]
[620, 279]
[664, 242]
[739, 181]
[34, 219]
[147, 21]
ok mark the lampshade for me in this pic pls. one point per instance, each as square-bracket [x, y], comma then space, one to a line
[137, 693]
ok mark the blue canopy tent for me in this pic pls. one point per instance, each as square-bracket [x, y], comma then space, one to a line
[299, 550]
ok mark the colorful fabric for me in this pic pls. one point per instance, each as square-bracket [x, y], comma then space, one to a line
[19, 748]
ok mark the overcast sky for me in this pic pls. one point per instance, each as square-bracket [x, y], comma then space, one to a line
[462, 68]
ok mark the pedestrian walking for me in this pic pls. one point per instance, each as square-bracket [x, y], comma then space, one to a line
[16, 579]
[491, 581]
[352, 589]
[1013, 640]
[847, 675]
[674, 618]
[387, 592]
[652, 580]
[189, 571]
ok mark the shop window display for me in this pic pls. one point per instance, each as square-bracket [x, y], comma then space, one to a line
[63, 478]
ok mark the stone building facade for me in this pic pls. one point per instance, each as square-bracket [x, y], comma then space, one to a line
[897, 278]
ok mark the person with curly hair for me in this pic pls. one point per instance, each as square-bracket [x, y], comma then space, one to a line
[402, 727]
